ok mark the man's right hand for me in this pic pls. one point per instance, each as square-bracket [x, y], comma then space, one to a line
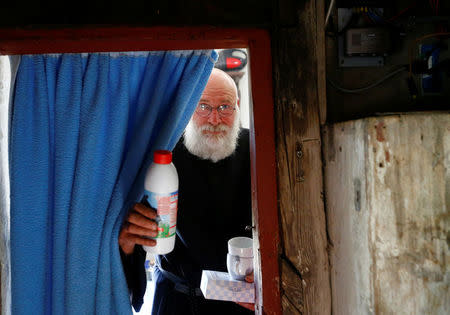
[140, 222]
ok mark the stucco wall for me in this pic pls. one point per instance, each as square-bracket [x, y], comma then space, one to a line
[387, 182]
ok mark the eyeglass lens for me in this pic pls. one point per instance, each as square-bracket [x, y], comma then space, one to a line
[223, 110]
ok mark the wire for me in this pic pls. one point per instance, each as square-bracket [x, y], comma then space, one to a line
[431, 5]
[330, 8]
[402, 12]
[419, 40]
[434, 4]
[372, 17]
[351, 21]
[378, 82]
[369, 18]
[376, 16]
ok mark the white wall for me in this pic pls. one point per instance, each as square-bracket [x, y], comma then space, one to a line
[387, 190]
[243, 87]
[245, 98]
[5, 84]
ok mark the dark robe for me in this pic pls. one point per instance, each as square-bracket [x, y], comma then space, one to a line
[214, 205]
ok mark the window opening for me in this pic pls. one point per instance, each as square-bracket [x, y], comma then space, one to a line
[233, 61]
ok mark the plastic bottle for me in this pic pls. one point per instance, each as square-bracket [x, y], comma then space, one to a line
[161, 193]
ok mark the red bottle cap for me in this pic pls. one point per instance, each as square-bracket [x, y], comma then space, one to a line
[162, 157]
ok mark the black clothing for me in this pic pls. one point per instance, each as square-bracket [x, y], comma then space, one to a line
[134, 267]
[169, 301]
[214, 205]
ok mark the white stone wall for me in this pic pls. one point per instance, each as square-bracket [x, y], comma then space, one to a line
[387, 182]
[5, 80]
[8, 68]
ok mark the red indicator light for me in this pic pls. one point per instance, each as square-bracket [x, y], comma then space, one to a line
[233, 63]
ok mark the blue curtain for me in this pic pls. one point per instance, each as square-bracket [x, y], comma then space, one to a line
[83, 128]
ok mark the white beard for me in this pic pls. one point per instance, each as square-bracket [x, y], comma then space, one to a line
[214, 148]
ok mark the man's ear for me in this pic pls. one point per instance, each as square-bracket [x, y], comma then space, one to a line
[238, 104]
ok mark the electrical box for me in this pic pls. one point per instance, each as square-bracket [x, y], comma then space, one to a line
[373, 41]
[360, 46]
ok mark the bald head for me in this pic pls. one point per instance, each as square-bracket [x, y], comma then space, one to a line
[220, 80]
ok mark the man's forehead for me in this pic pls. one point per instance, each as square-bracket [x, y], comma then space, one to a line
[218, 94]
[220, 84]
[228, 99]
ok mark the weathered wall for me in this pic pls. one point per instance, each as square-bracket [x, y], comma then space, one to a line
[8, 69]
[5, 76]
[387, 185]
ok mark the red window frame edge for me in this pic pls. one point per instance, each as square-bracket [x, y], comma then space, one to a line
[262, 130]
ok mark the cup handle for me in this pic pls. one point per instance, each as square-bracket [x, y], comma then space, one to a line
[236, 266]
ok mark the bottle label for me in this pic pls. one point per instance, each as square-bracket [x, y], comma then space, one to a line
[166, 208]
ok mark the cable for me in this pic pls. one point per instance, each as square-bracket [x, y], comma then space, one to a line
[434, 4]
[345, 90]
[351, 22]
[402, 12]
[368, 18]
[330, 8]
[374, 15]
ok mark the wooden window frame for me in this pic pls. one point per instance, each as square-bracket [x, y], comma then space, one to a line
[262, 144]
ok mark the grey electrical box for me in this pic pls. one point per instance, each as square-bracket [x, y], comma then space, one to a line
[373, 41]
[353, 60]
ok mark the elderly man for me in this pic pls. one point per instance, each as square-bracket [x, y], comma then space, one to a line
[212, 160]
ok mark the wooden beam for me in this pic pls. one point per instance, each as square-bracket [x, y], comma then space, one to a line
[288, 307]
[103, 39]
[300, 184]
[264, 181]
[321, 61]
[289, 284]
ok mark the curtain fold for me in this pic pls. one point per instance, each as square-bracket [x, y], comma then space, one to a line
[82, 133]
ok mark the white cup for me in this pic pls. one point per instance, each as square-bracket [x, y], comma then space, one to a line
[240, 257]
[239, 267]
[240, 246]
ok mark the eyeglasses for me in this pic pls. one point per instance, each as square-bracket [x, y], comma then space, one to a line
[204, 110]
